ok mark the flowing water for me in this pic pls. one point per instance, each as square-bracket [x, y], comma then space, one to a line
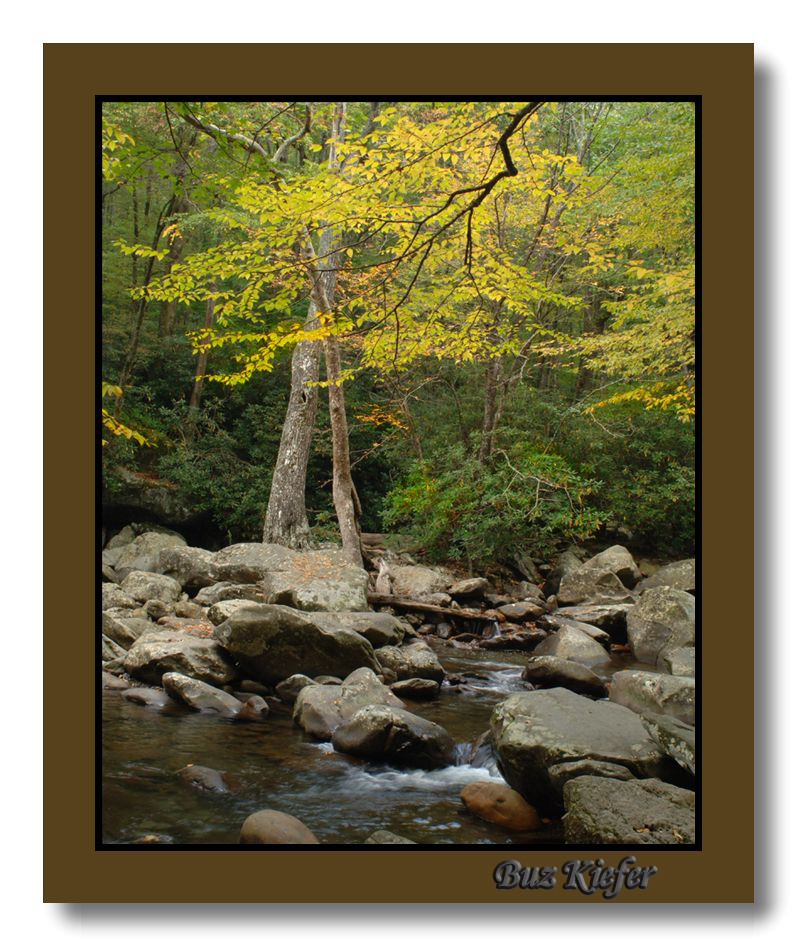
[272, 764]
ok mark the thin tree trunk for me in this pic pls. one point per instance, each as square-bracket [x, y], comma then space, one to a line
[344, 495]
[201, 370]
[492, 380]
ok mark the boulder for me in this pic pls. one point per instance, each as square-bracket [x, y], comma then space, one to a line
[110, 682]
[570, 643]
[319, 580]
[143, 495]
[321, 709]
[144, 552]
[378, 628]
[123, 537]
[501, 805]
[219, 612]
[417, 581]
[275, 827]
[416, 689]
[254, 709]
[679, 661]
[678, 575]
[249, 562]
[553, 622]
[396, 736]
[387, 837]
[469, 588]
[110, 650]
[416, 659]
[547, 672]
[165, 651]
[522, 611]
[199, 695]
[564, 771]
[534, 731]
[566, 563]
[227, 591]
[191, 568]
[611, 618]
[157, 609]
[112, 596]
[124, 631]
[663, 619]
[200, 776]
[646, 811]
[674, 738]
[146, 696]
[272, 642]
[606, 575]
[144, 586]
[658, 693]
[290, 688]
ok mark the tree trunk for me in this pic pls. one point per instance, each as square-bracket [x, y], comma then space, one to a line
[201, 370]
[344, 495]
[286, 517]
[492, 380]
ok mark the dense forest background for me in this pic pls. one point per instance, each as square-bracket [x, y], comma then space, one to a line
[513, 316]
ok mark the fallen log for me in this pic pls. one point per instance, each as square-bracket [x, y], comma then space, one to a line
[407, 604]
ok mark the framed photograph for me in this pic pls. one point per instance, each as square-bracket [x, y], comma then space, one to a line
[402, 411]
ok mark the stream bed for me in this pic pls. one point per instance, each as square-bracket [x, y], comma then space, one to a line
[273, 764]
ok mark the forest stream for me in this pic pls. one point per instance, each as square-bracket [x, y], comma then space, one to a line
[273, 764]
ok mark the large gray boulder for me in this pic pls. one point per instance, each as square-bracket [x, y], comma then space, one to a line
[548, 672]
[272, 642]
[679, 661]
[565, 563]
[149, 586]
[320, 708]
[611, 617]
[219, 612]
[396, 736]
[192, 568]
[678, 575]
[663, 619]
[609, 574]
[125, 631]
[674, 738]
[554, 622]
[165, 651]
[647, 811]
[143, 553]
[571, 643]
[112, 596]
[534, 731]
[110, 650]
[658, 693]
[199, 695]
[249, 562]
[417, 581]
[378, 628]
[416, 659]
[320, 580]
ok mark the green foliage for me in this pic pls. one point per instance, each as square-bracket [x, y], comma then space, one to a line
[525, 501]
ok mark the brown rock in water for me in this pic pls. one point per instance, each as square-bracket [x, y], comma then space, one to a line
[275, 827]
[200, 776]
[500, 805]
